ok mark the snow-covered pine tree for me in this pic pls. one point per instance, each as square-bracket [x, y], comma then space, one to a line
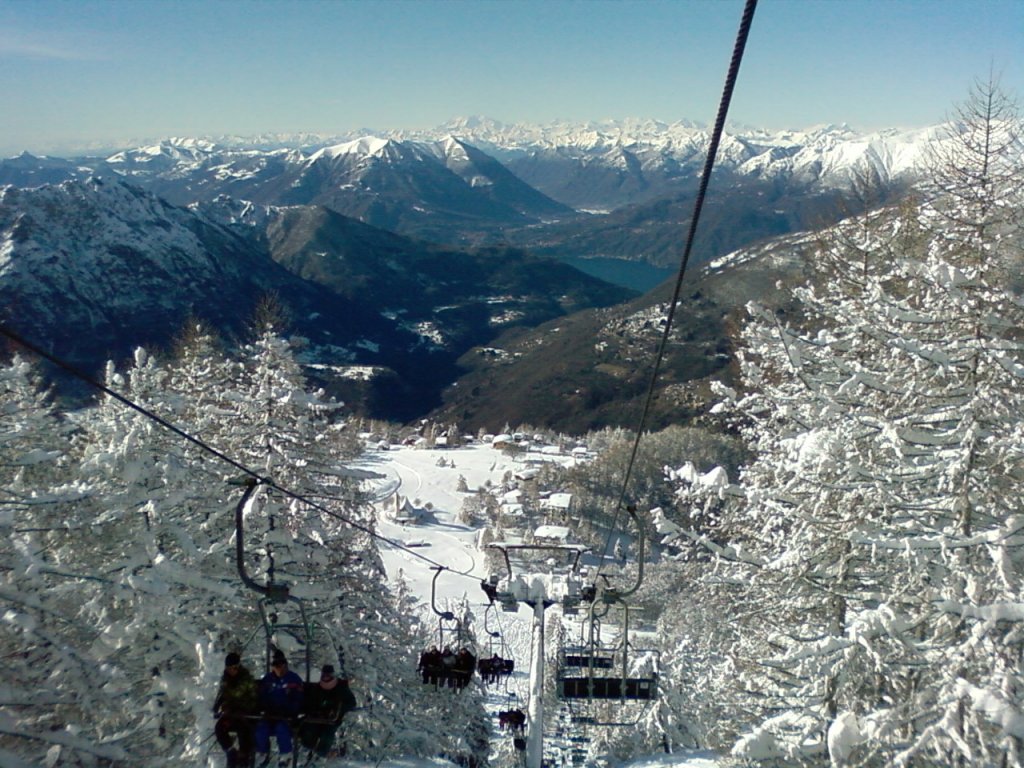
[52, 680]
[880, 515]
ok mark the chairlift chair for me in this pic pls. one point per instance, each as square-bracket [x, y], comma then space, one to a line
[272, 594]
[585, 672]
[494, 665]
[456, 664]
[593, 681]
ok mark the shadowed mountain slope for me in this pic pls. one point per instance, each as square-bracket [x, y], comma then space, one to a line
[593, 369]
[90, 269]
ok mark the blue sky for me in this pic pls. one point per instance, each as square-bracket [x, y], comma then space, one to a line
[77, 71]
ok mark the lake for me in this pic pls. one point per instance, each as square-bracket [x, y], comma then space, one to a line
[637, 275]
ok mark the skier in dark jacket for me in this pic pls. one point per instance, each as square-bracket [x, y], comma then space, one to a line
[325, 705]
[430, 665]
[281, 694]
[234, 706]
[448, 667]
[465, 664]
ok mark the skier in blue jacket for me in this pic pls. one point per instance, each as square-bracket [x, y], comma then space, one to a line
[280, 697]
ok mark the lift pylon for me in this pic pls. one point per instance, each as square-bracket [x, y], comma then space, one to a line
[540, 592]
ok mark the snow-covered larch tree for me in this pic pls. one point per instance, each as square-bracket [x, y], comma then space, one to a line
[880, 516]
[52, 680]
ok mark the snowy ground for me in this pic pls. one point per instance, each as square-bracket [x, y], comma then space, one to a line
[415, 474]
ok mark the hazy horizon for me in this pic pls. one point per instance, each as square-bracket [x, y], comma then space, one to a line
[106, 74]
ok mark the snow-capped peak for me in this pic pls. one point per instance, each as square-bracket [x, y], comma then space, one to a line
[451, 148]
[368, 146]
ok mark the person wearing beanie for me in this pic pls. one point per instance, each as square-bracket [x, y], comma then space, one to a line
[280, 700]
[234, 707]
[326, 704]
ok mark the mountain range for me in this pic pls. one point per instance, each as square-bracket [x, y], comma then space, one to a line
[429, 258]
[535, 186]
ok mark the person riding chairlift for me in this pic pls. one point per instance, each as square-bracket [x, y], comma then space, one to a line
[326, 703]
[236, 703]
[280, 700]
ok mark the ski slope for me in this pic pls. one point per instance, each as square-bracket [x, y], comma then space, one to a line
[415, 474]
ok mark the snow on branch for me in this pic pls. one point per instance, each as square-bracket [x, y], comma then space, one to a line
[1002, 535]
[10, 727]
[729, 553]
[994, 706]
[988, 613]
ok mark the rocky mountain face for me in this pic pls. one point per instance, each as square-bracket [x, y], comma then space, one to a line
[92, 268]
[84, 262]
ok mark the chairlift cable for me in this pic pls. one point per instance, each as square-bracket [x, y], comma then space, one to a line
[698, 205]
[91, 381]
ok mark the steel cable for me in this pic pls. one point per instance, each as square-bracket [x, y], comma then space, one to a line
[698, 205]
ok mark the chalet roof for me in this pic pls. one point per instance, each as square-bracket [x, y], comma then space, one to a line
[558, 501]
[556, 532]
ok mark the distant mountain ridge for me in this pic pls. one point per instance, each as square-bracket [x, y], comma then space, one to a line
[824, 155]
[651, 159]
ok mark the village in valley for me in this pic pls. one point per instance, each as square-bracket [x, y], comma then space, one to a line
[432, 490]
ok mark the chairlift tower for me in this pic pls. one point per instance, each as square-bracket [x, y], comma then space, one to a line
[539, 591]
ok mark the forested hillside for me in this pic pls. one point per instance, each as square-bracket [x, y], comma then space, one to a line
[867, 561]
